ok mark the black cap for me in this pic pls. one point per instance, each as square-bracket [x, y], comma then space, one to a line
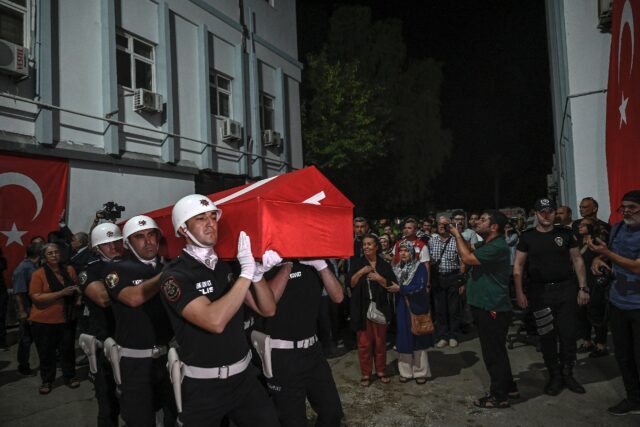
[632, 196]
[542, 204]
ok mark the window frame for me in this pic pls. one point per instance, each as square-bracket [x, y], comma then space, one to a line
[263, 108]
[130, 50]
[213, 84]
[26, 20]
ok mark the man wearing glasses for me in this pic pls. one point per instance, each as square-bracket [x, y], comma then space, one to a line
[623, 252]
[551, 252]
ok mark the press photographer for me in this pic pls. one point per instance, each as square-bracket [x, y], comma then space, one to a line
[623, 251]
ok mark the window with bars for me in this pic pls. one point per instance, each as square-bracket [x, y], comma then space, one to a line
[135, 61]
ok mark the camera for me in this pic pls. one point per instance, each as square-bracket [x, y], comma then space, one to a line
[606, 278]
[111, 211]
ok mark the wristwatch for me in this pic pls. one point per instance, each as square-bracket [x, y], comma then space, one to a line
[585, 289]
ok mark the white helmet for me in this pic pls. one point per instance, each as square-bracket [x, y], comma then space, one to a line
[105, 233]
[138, 223]
[190, 206]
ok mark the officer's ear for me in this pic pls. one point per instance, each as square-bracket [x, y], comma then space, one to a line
[182, 230]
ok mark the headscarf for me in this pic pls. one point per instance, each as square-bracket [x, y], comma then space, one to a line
[406, 270]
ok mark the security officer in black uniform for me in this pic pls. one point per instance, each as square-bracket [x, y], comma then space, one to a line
[300, 370]
[143, 329]
[551, 251]
[106, 242]
[204, 300]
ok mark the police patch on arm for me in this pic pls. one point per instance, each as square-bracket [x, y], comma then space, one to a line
[171, 289]
[112, 280]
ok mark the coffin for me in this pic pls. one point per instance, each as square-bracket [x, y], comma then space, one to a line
[299, 214]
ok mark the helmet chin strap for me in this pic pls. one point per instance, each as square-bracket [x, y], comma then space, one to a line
[151, 262]
[202, 253]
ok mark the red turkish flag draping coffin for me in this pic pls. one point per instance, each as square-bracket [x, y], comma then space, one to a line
[299, 214]
[623, 103]
[33, 193]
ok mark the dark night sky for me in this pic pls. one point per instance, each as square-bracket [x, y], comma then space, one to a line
[496, 96]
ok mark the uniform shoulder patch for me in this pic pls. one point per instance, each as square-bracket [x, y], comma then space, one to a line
[82, 277]
[112, 280]
[171, 289]
[559, 240]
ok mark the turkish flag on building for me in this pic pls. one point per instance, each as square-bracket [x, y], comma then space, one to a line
[33, 194]
[623, 103]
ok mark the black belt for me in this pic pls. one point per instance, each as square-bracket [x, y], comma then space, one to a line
[447, 274]
[562, 282]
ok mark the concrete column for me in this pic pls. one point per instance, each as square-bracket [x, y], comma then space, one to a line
[44, 73]
[164, 75]
[209, 158]
[109, 76]
[239, 103]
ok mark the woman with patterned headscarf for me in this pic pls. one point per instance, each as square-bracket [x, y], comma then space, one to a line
[412, 278]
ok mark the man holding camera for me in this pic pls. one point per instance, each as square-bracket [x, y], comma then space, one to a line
[551, 251]
[447, 283]
[488, 297]
[623, 252]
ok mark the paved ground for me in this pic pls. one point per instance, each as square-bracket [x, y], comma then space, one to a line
[458, 378]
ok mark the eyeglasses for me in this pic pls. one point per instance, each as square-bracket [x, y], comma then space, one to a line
[627, 208]
[52, 253]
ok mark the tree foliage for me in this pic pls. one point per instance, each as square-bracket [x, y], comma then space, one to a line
[371, 119]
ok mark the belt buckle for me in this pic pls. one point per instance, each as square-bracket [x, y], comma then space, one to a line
[226, 372]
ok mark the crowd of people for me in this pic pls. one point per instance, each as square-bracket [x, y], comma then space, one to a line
[204, 342]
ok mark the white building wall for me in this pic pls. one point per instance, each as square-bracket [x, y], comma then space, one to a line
[91, 185]
[579, 57]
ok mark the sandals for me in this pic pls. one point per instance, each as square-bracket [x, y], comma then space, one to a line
[404, 379]
[45, 388]
[586, 348]
[384, 379]
[490, 402]
[72, 382]
[421, 381]
[365, 382]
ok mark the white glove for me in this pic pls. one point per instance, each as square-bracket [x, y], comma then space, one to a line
[318, 264]
[245, 257]
[269, 260]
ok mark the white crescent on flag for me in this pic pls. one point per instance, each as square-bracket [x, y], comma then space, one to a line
[14, 178]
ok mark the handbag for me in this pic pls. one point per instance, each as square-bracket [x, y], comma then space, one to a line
[373, 314]
[421, 324]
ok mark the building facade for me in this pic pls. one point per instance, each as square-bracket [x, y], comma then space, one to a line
[579, 59]
[150, 100]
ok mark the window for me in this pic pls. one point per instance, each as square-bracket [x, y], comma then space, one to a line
[14, 21]
[134, 62]
[266, 112]
[220, 94]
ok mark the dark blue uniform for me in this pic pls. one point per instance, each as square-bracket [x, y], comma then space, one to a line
[207, 401]
[145, 382]
[301, 373]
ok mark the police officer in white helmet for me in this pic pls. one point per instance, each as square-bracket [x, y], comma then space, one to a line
[204, 300]
[142, 329]
[106, 242]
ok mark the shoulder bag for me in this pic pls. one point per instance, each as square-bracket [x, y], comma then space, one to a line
[373, 314]
[421, 324]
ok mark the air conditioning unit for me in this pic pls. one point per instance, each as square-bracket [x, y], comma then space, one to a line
[271, 138]
[14, 59]
[145, 100]
[231, 131]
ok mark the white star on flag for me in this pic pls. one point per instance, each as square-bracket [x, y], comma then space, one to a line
[14, 235]
[623, 110]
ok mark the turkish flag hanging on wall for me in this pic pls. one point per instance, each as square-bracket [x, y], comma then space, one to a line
[623, 103]
[33, 194]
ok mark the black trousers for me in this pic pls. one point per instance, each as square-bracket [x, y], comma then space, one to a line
[24, 344]
[594, 315]
[299, 375]
[240, 398]
[447, 308]
[145, 389]
[48, 338]
[105, 390]
[493, 336]
[558, 345]
[625, 329]
[4, 300]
